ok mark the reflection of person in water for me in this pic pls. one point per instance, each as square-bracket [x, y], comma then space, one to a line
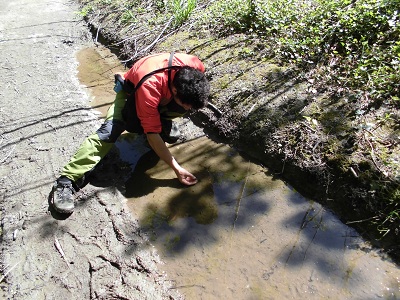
[198, 202]
[155, 90]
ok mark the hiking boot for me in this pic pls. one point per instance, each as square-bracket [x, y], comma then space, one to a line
[63, 196]
[170, 132]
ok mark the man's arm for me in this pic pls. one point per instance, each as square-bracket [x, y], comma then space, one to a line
[163, 152]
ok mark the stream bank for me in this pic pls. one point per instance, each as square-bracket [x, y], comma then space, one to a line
[240, 232]
[318, 141]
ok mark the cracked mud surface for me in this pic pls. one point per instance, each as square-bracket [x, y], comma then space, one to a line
[98, 252]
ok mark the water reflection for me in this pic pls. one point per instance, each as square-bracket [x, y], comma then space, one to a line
[187, 203]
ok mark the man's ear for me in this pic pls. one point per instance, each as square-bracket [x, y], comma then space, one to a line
[174, 90]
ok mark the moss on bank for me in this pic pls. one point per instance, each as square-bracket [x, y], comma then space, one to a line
[327, 145]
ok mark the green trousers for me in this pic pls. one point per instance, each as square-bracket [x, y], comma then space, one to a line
[93, 149]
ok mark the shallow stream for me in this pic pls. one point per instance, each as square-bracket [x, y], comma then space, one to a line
[240, 233]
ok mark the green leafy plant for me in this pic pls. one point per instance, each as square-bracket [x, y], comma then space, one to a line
[85, 10]
[181, 10]
[356, 41]
[128, 17]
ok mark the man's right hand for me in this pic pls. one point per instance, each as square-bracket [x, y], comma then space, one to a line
[158, 145]
[186, 177]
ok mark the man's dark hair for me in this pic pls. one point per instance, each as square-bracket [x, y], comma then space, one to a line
[192, 87]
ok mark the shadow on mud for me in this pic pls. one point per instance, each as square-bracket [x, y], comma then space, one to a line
[162, 202]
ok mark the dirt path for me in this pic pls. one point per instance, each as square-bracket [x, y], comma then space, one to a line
[98, 252]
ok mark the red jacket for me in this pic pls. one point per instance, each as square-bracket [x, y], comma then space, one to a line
[154, 91]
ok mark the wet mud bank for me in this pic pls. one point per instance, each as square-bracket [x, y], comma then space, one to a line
[286, 153]
[265, 115]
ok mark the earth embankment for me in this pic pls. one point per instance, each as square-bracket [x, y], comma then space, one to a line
[330, 147]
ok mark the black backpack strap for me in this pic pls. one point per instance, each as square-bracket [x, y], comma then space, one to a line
[171, 57]
[129, 113]
[169, 68]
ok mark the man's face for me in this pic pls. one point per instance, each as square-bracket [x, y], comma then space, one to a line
[184, 105]
[178, 101]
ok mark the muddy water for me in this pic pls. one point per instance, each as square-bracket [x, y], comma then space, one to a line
[96, 72]
[240, 233]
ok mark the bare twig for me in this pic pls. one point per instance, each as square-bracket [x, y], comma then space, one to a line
[131, 38]
[239, 200]
[97, 34]
[379, 139]
[60, 250]
[354, 172]
[373, 157]
[214, 109]
[360, 221]
[39, 148]
[153, 43]
[251, 109]
[309, 127]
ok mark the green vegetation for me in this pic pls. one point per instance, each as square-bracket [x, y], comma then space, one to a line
[353, 46]
[181, 10]
[355, 42]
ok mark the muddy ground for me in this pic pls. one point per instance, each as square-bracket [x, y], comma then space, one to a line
[98, 252]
